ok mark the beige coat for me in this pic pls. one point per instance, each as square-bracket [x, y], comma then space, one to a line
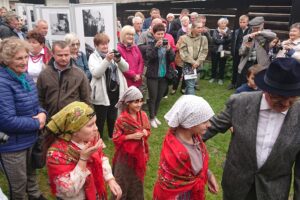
[193, 49]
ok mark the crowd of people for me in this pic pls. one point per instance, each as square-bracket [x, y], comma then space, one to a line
[55, 101]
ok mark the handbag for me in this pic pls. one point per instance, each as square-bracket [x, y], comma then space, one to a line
[171, 74]
[38, 158]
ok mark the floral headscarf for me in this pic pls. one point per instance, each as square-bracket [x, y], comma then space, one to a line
[70, 119]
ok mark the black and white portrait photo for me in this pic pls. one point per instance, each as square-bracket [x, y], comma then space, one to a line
[93, 22]
[59, 24]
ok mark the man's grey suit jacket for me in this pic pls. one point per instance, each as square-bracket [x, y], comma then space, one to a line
[273, 180]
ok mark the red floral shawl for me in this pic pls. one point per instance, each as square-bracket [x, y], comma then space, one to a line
[134, 153]
[62, 157]
[175, 174]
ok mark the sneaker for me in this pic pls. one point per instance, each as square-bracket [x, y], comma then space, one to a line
[211, 80]
[153, 123]
[182, 91]
[157, 121]
[165, 97]
[173, 92]
[220, 82]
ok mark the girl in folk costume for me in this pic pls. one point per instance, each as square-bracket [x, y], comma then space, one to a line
[77, 167]
[183, 168]
[130, 136]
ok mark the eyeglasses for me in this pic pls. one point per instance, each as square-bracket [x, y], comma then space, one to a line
[75, 44]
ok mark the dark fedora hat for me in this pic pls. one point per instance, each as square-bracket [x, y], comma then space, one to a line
[282, 77]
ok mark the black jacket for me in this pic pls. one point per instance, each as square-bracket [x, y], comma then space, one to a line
[151, 59]
[6, 31]
[218, 40]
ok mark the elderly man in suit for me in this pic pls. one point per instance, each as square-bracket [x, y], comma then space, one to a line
[265, 143]
[254, 49]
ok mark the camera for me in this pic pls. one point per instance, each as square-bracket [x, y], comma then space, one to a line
[165, 42]
[3, 138]
[116, 53]
[250, 39]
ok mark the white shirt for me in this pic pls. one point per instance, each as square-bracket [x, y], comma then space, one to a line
[35, 68]
[268, 128]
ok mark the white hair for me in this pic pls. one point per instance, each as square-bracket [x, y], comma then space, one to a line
[136, 18]
[222, 19]
[170, 15]
[70, 38]
[194, 14]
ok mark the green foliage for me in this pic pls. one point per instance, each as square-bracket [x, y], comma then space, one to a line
[216, 95]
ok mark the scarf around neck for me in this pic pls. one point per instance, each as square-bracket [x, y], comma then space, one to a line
[21, 79]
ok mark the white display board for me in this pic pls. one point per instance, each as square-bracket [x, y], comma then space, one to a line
[59, 21]
[90, 19]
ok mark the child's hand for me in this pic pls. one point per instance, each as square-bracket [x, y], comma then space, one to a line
[136, 136]
[145, 132]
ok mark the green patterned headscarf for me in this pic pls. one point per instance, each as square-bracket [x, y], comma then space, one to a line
[70, 119]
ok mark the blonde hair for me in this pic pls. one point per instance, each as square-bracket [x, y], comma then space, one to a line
[140, 14]
[70, 38]
[9, 47]
[244, 17]
[125, 30]
[184, 18]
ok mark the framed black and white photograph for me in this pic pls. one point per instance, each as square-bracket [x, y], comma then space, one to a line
[90, 19]
[59, 19]
[59, 24]
[21, 11]
[30, 16]
[37, 12]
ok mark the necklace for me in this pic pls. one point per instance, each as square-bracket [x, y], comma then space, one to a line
[36, 58]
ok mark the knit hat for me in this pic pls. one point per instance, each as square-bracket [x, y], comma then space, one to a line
[189, 111]
[70, 119]
[132, 93]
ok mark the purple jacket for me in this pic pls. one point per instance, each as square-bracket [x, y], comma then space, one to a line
[134, 58]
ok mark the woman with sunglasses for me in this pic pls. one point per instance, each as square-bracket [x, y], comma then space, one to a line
[78, 56]
[132, 130]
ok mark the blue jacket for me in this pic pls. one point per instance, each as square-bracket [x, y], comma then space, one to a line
[17, 107]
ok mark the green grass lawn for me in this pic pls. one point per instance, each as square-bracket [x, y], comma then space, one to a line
[216, 95]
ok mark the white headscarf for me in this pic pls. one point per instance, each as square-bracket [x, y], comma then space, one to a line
[132, 93]
[189, 111]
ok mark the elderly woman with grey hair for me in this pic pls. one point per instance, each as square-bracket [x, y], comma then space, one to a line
[221, 39]
[78, 56]
[10, 22]
[183, 167]
[21, 117]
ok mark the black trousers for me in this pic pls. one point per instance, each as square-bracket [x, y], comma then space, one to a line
[218, 66]
[235, 64]
[108, 113]
[177, 81]
[156, 90]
